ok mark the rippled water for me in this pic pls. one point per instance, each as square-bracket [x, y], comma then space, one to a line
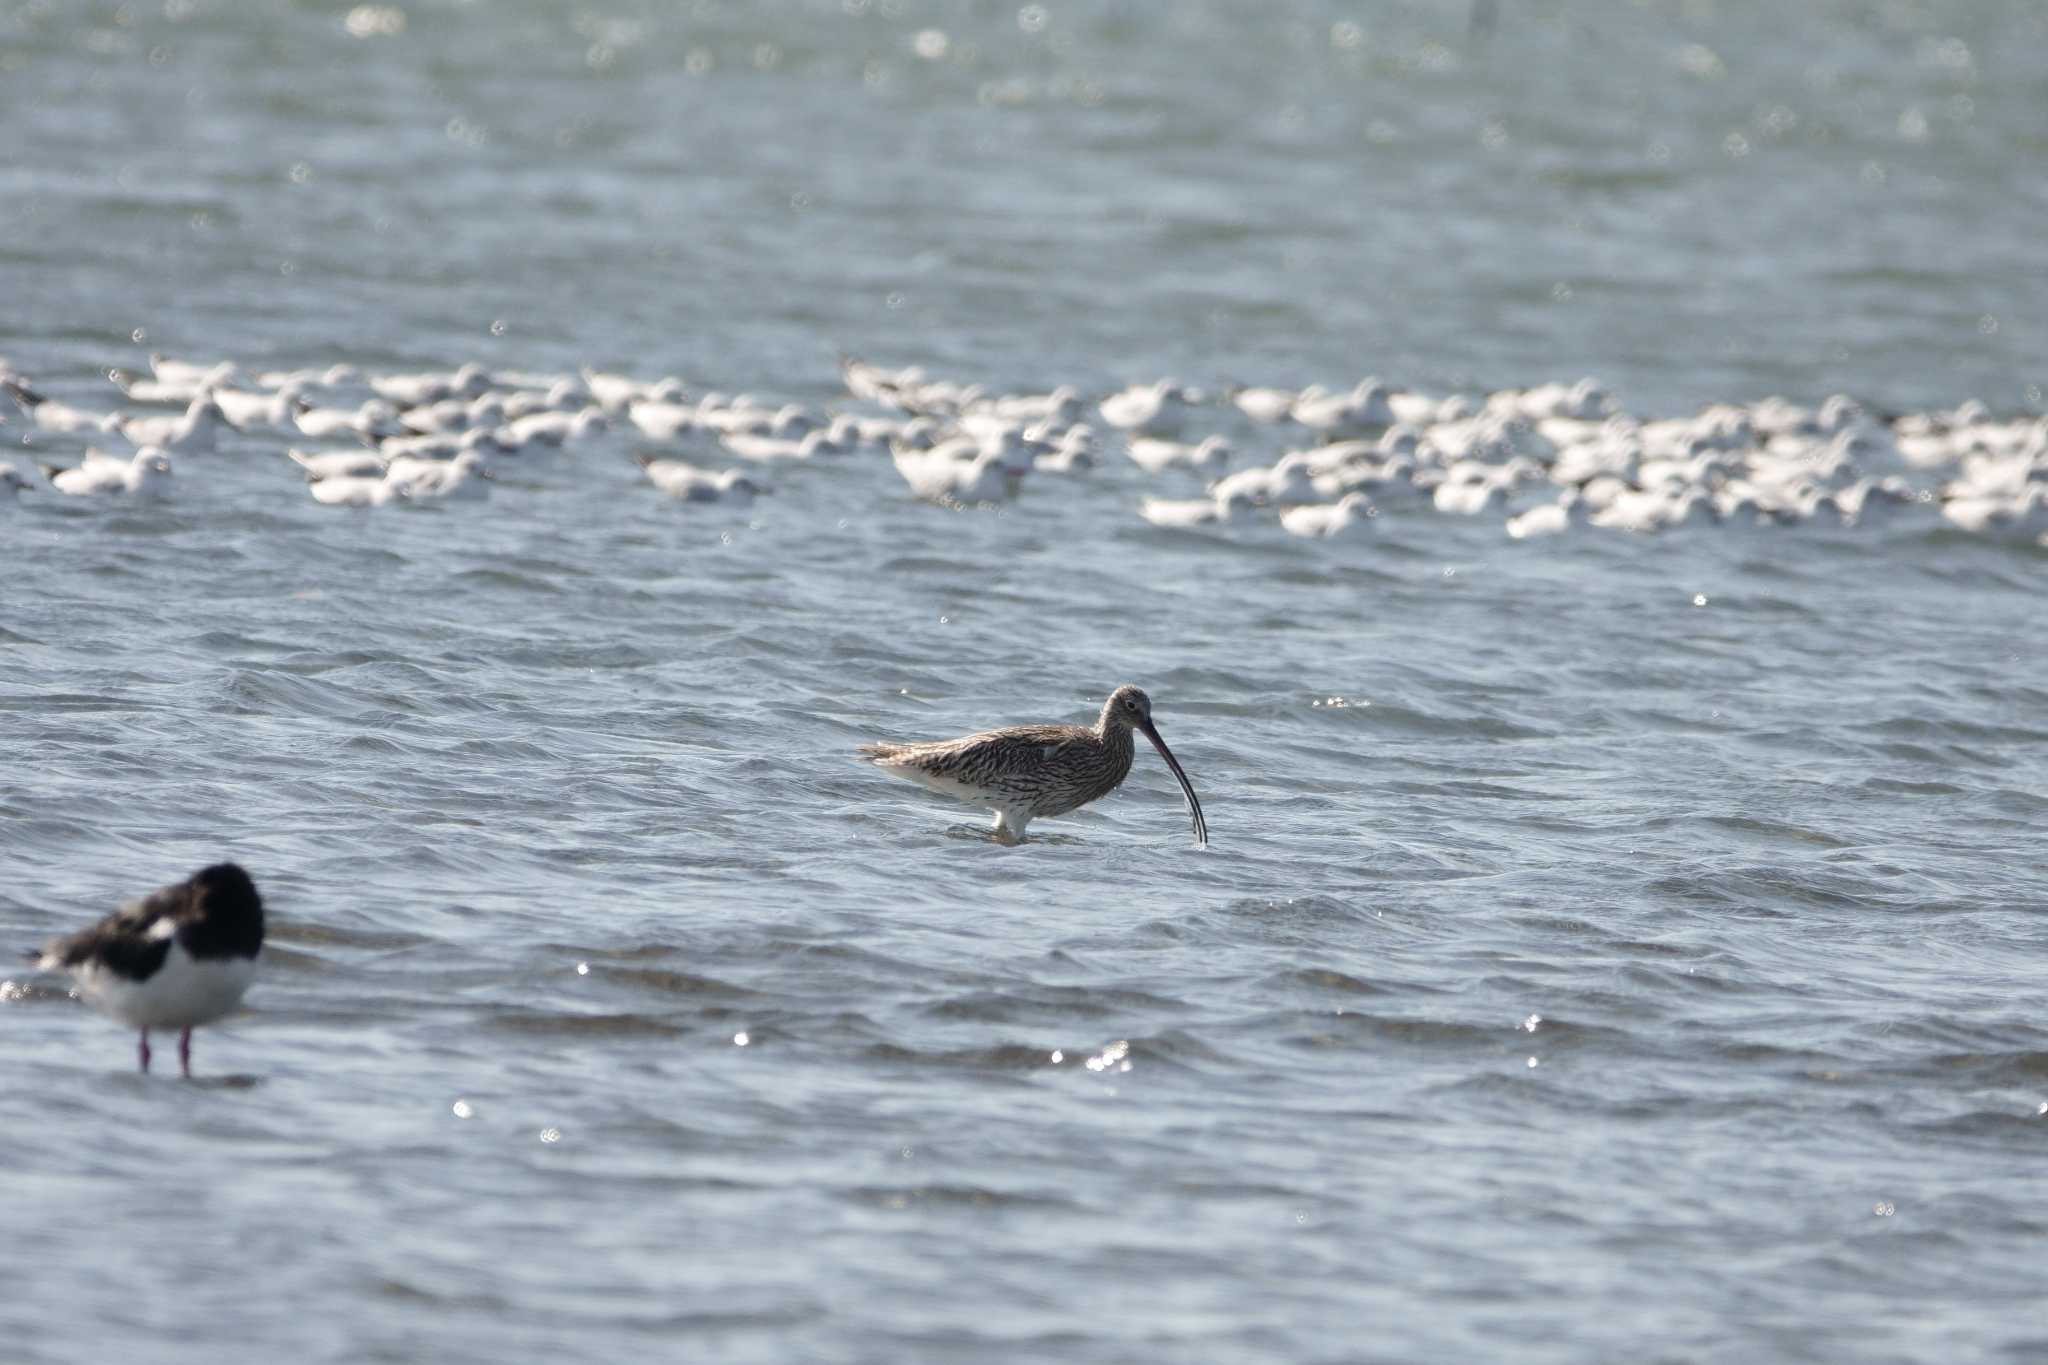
[1610, 948]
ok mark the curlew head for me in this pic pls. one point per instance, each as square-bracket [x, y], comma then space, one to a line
[1128, 708]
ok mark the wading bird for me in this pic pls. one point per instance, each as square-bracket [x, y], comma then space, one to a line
[1024, 772]
[180, 957]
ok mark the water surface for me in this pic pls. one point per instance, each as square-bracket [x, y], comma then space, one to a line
[1610, 947]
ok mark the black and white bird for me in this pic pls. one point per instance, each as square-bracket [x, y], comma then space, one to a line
[180, 957]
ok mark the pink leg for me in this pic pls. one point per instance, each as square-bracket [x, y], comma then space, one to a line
[142, 1049]
[185, 1054]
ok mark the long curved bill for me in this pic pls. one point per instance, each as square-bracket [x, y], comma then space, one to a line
[1187, 788]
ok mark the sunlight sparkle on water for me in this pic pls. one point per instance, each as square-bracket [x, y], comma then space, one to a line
[1115, 1055]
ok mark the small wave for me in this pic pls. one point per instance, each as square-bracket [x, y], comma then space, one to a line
[953, 1197]
[1895, 787]
[1320, 981]
[233, 642]
[1046, 1004]
[508, 579]
[680, 985]
[559, 1025]
[1009, 1057]
[269, 692]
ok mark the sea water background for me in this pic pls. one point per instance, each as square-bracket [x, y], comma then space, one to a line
[1611, 948]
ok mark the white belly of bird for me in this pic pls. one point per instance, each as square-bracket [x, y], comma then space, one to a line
[184, 992]
[945, 786]
[1010, 818]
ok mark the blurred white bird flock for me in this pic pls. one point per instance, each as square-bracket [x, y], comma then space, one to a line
[1321, 463]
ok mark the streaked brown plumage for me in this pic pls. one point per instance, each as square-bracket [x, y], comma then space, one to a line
[1023, 772]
